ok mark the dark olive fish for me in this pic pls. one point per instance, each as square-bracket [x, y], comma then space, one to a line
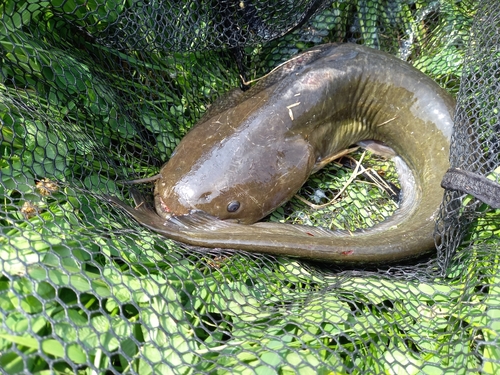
[248, 157]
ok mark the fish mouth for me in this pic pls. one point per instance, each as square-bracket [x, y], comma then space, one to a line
[168, 212]
[162, 209]
[190, 214]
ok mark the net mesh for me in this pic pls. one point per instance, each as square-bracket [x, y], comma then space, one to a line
[94, 92]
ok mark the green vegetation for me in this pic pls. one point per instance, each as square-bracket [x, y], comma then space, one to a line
[85, 290]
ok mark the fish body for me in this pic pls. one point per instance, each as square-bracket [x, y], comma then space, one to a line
[245, 159]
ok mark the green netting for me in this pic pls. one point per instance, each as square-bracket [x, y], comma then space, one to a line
[93, 93]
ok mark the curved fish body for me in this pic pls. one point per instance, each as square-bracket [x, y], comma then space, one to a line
[251, 156]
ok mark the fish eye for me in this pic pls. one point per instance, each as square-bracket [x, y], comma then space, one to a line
[233, 206]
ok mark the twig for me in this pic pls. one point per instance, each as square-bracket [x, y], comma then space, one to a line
[354, 174]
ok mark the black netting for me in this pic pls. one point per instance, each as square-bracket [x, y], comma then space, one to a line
[475, 144]
[93, 93]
